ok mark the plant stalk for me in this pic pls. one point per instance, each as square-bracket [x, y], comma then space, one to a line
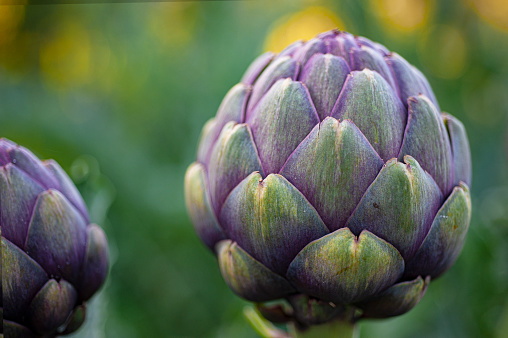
[339, 328]
[333, 329]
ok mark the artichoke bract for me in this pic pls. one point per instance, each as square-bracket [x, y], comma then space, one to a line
[331, 179]
[53, 259]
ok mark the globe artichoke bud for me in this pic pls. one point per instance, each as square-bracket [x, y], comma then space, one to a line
[53, 259]
[329, 178]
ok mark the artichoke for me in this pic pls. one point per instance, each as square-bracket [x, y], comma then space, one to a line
[330, 179]
[53, 259]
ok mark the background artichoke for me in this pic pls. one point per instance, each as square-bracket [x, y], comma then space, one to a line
[53, 260]
[330, 178]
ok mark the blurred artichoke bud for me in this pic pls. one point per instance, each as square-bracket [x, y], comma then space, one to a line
[53, 259]
[330, 178]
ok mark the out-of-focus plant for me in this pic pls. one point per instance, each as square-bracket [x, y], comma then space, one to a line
[66, 57]
[482, 98]
[99, 193]
[403, 16]
[15, 44]
[173, 24]
[495, 12]
[443, 51]
[11, 18]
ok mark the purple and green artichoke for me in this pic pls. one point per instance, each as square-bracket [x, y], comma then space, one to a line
[53, 259]
[331, 179]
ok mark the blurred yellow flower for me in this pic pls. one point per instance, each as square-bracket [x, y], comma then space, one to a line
[403, 15]
[173, 23]
[16, 55]
[303, 25]
[15, 43]
[11, 18]
[65, 56]
[495, 12]
[443, 51]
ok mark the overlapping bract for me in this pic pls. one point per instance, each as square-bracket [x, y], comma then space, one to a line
[53, 259]
[329, 173]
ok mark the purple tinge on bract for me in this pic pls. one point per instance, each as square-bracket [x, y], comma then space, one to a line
[331, 170]
[48, 245]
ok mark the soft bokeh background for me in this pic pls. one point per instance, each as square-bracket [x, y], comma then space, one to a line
[117, 93]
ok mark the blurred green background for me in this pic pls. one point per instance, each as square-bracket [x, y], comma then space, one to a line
[118, 93]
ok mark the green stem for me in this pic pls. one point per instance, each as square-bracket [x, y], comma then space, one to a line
[333, 329]
[339, 328]
[262, 326]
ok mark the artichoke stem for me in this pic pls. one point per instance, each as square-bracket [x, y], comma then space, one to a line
[342, 327]
[333, 329]
[262, 326]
